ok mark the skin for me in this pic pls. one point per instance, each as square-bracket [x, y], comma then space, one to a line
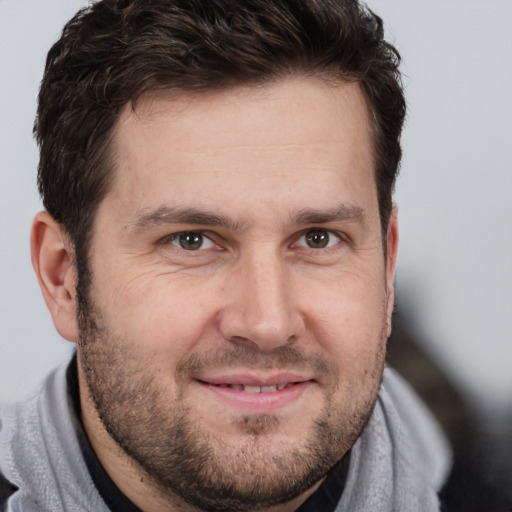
[261, 173]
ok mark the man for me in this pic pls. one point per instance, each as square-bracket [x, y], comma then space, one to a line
[219, 240]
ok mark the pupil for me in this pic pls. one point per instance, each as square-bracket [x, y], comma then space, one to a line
[317, 239]
[191, 241]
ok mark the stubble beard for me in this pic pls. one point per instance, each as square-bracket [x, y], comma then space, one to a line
[184, 460]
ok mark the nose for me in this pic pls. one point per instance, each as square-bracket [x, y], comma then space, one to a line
[261, 310]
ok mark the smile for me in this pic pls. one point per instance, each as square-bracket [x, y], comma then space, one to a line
[253, 390]
[256, 395]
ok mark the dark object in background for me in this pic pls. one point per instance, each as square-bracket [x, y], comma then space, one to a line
[472, 486]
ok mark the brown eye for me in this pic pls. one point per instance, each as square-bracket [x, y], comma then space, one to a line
[191, 241]
[317, 238]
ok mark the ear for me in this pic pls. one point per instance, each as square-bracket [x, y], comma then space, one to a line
[52, 259]
[392, 251]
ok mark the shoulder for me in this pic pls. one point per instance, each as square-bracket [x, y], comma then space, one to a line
[419, 441]
[40, 453]
[7, 488]
[401, 459]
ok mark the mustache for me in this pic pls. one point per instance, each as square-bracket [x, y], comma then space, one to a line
[283, 358]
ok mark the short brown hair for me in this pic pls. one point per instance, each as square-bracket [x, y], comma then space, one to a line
[113, 51]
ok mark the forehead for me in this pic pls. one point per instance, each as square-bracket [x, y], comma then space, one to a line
[279, 140]
[314, 106]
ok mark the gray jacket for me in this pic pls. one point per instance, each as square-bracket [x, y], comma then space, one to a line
[398, 464]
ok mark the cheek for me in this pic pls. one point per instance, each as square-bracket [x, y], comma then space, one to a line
[161, 313]
[349, 319]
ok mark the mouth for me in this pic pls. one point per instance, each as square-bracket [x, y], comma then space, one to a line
[252, 394]
[254, 389]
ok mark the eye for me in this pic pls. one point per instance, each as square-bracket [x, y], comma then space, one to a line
[318, 239]
[191, 241]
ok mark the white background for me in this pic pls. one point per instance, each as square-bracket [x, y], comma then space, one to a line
[454, 195]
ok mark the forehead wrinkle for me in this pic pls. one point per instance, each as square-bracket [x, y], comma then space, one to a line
[147, 219]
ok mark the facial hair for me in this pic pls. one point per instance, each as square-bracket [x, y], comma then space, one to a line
[185, 460]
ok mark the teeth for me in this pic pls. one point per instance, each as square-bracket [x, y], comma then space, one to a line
[259, 389]
[252, 389]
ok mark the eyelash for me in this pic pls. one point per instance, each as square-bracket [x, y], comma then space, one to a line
[174, 240]
[328, 245]
[175, 237]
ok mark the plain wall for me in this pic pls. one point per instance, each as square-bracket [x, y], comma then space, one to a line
[454, 272]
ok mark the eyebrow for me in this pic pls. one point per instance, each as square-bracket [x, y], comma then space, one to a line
[168, 215]
[343, 213]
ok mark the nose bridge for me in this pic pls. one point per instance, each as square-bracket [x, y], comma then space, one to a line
[267, 287]
[261, 308]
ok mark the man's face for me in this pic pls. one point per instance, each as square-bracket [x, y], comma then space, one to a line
[240, 298]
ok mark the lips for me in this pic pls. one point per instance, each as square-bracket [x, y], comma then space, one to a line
[253, 390]
[257, 393]
[255, 383]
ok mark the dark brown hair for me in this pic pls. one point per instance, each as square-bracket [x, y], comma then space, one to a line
[113, 51]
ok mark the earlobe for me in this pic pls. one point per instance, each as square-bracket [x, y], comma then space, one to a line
[392, 252]
[52, 259]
